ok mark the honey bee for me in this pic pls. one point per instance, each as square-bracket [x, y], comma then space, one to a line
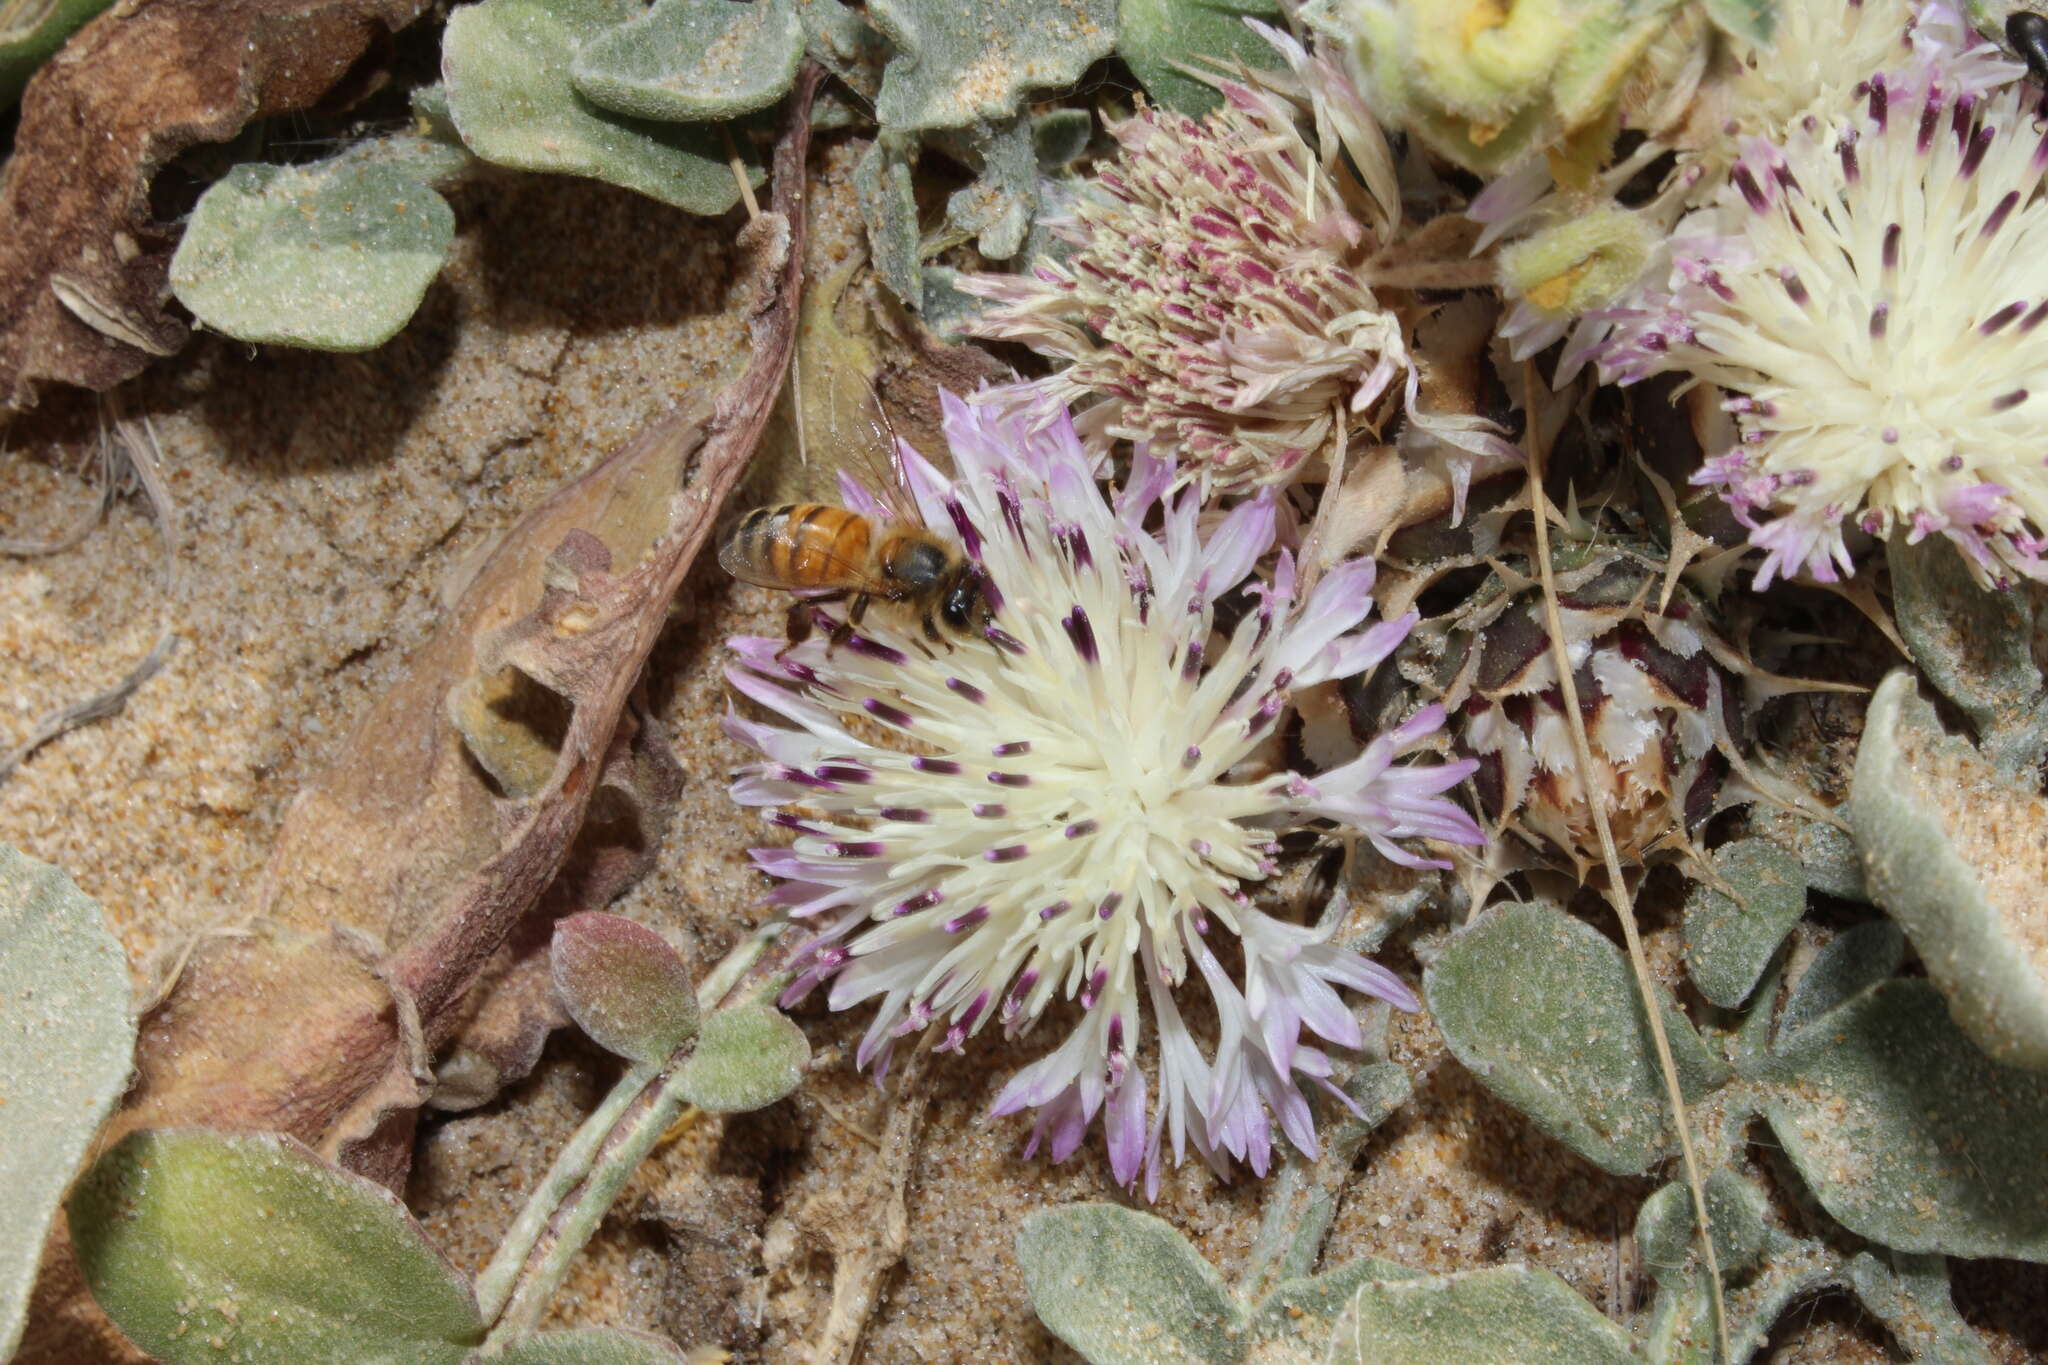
[832, 554]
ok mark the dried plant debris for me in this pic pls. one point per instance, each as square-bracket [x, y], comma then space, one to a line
[425, 870]
[83, 263]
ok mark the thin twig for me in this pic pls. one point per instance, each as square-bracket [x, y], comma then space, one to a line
[1617, 889]
[36, 549]
[138, 449]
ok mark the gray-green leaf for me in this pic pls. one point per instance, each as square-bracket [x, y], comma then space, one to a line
[1729, 941]
[1854, 960]
[694, 60]
[1975, 646]
[1543, 1010]
[207, 1246]
[959, 63]
[1161, 37]
[1123, 1288]
[1959, 856]
[623, 985]
[1508, 1315]
[748, 1057]
[591, 1346]
[66, 1042]
[507, 66]
[335, 256]
[1907, 1133]
[1753, 21]
[888, 209]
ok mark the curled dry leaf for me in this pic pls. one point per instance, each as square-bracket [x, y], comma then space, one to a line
[407, 837]
[83, 263]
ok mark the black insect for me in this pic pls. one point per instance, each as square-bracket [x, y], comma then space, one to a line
[2027, 34]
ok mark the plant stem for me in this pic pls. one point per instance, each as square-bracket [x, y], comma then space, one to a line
[587, 1174]
[1617, 889]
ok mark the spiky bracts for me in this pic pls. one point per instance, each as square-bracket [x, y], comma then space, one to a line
[1211, 302]
[1073, 806]
[1871, 294]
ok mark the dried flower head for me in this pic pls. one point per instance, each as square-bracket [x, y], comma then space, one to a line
[1871, 294]
[1211, 302]
[1073, 806]
[1658, 705]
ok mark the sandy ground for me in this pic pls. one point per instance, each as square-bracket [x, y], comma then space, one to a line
[322, 502]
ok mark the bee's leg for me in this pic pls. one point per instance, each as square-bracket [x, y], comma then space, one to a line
[796, 626]
[931, 631]
[843, 631]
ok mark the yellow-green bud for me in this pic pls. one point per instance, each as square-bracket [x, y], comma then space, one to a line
[1576, 265]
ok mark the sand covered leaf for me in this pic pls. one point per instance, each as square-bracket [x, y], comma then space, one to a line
[66, 1036]
[1729, 940]
[204, 1246]
[1959, 855]
[957, 63]
[1854, 960]
[592, 1346]
[888, 207]
[1298, 1320]
[1542, 1009]
[1124, 1288]
[1907, 1133]
[1666, 1231]
[997, 208]
[1508, 1314]
[624, 986]
[749, 1056]
[1976, 647]
[1910, 1294]
[335, 256]
[30, 35]
[507, 64]
[1160, 38]
[693, 60]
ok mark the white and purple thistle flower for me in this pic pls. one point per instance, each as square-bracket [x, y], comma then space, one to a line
[1071, 805]
[1871, 295]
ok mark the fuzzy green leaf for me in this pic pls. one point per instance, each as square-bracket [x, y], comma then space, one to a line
[1911, 1295]
[507, 67]
[1124, 1288]
[1854, 960]
[1828, 857]
[623, 985]
[1059, 136]
[748, 1057]
[334, 256]
[888, 208]
[1959, 856]
[207, 1246]
[1161, 37]
[694, 60]
[592, 1346]
[1543, 1010]
[1297, 1321]
[1907, 1133]
[997, 208]
[1508, 1315]
[32, 35]
[958, 64]
[66, 1041]
[1729, 942]
[1976, 647]
[1666, 1228]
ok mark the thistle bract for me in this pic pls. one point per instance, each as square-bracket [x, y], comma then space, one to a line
[1073, 805]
